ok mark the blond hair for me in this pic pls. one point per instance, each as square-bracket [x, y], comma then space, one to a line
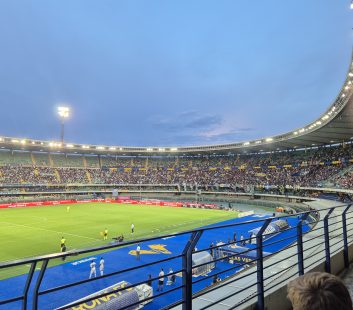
[319, 291]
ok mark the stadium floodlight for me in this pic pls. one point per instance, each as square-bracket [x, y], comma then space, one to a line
[64, 113]
[269, 139]
[352, 5]
[54, 144]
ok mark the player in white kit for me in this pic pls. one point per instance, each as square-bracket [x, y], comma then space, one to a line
[93, 272]
[101, 266]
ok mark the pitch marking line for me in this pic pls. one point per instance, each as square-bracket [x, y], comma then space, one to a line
[50, 230]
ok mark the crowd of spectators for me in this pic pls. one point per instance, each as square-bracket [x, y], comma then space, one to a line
[316, 167]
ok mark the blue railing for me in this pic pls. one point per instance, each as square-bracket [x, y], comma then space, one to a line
[328, 232]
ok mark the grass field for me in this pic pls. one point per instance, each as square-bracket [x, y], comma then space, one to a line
[26, 232]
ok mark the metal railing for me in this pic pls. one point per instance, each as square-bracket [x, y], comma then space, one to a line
[301, 246]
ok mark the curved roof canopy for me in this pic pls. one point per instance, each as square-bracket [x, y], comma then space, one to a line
[335, 125]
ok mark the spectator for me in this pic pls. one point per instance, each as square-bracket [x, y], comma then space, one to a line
[319, 291]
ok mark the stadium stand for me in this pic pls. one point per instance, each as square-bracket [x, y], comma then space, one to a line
[41, 159]
[91, 162]
[61, 160]
[315, 167]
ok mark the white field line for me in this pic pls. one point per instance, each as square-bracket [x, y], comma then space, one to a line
[50, 230]
[167, 228]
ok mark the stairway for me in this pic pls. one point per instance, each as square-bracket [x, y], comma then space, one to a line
[51, 163]
[84, 161]
[89, 177]
[33, 159]
[57, 174]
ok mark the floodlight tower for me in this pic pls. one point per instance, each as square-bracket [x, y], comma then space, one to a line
[64, 113]
[352, 5]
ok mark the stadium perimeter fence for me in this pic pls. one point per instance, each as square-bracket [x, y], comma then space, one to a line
[330, 233]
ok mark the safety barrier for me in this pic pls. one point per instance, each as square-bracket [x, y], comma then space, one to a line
[257, 268]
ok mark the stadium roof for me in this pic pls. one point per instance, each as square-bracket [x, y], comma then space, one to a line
[334, 126]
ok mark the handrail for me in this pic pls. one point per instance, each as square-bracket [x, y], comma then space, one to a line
[186, 258]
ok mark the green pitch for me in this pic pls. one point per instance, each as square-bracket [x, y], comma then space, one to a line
[27, 232]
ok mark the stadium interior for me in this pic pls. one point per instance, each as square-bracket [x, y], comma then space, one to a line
[197, 227]
[249, 205]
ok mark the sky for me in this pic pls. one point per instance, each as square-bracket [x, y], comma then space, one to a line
[169, 73]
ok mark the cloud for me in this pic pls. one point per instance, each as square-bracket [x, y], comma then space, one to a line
[187, 121]
[193, 127]
[188, 113]
[224, 131]
[204, 121]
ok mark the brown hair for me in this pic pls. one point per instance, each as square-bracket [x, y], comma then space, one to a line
[319, 291]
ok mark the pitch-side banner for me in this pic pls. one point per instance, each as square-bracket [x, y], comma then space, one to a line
[140, 202]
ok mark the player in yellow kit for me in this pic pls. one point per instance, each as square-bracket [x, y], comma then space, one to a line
[105, 234]
[62, 242]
